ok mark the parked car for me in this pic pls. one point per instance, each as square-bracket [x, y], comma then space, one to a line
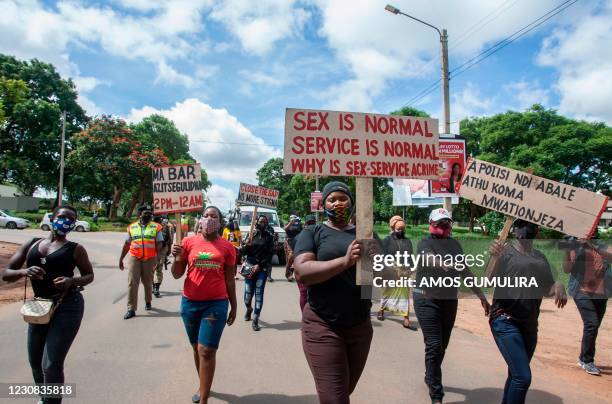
[246, 214]
[45, 224]
[12, 222]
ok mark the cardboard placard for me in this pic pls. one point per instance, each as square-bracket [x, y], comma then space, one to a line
[452, 154]
[255, 195]
[567, 209]
[350, 144]
[316, 201]
[177, 188]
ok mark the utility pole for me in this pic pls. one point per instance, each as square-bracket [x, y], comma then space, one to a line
[448, 205]
[317, 190]
[61, 179]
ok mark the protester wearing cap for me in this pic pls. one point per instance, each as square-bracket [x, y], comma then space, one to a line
[336, 327]
[515, 310]
[292, 229]
[436, 306]
[143, 242]
[397, 299]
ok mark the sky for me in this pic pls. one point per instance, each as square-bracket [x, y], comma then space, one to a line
[224, 71]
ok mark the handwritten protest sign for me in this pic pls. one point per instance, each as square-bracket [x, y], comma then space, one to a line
[177, 188]
[255, 195]
[547, 203]
[353, 144]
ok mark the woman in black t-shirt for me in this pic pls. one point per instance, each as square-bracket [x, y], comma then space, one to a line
[515, 310]
[336, 327]
[50, 265]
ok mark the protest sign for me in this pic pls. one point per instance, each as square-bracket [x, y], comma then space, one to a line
[177, 188]
[452, 162]
[567, 209]
[255, 195]
[350, 144]
[316, 201]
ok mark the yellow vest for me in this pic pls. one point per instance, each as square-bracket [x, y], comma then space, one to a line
[142, 244]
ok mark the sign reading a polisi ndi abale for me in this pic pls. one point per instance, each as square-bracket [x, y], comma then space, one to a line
[547, 203]
[255, 195]
[177, 189]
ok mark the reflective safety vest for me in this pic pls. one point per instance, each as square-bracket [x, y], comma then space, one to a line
[143, 239]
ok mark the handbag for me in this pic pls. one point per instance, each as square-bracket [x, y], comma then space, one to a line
[38, 310]
[248, 268]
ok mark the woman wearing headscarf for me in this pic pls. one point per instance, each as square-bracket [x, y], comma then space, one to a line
[50, 264]
[208, 291]
[336, 327]
[258, 251]
[515, 310]
[436, 306]
[397, 300]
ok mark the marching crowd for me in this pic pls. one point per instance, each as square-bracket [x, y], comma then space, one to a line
[321, 258]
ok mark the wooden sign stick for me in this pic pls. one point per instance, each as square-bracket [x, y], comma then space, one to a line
[253, 220]
[364, 221]
[502, 239]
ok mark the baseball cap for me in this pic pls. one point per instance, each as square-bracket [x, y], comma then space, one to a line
[439, 214]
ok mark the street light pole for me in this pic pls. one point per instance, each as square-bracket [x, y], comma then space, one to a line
[445, 79]
[61, 179]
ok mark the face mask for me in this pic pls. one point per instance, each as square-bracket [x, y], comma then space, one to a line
[399, 233]
[63, 226]
[443, 231]
[262, 226]
[210, 225]
[339, 213]
[525, 232]
[146, 217]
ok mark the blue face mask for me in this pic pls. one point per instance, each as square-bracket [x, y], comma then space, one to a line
[63, 225]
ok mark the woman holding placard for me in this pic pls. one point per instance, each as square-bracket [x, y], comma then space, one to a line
[210, 262]
[336, 327]
[515, 311]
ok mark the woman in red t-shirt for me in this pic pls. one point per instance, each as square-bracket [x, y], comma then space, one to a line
[209, 288]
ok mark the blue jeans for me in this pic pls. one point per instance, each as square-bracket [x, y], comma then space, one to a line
[48, 344]
[517, 345]
[204, 320]
[255, 285]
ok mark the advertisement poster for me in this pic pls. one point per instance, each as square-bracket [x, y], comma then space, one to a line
[410, 192]
[316, 201]
[452, 153]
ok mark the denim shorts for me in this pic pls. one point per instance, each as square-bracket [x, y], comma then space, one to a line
[204, 320]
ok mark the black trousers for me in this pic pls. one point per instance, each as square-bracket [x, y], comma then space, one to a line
[592, 309]
[436, 318]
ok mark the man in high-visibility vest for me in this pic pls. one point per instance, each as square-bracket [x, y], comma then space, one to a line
[143, 242]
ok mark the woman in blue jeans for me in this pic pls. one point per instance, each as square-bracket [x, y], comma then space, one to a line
[258, 251]
[209, 288]
[515, 310]
[50, 264]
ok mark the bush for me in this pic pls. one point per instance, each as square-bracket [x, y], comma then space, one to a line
[493, 223]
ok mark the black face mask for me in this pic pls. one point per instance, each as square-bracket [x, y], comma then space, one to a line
[400, 234]
[526, 232]
[146, 217]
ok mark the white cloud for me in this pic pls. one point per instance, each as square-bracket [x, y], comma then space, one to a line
[221, 197]
[378, 46]
[582, 54]
[225, 147]
[527, 93]
[258, 26]
[261, 78]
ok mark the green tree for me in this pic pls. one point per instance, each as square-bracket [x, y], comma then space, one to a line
[30, 134]
[162, 132]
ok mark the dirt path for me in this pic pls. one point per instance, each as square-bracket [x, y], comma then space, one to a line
[9, 292]
[558, 348]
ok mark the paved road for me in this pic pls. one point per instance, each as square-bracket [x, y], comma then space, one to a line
[148, 359]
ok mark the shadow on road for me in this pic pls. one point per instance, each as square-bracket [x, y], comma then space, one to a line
[494, 395]
[265, 398]
[157, 313]
[284, 326]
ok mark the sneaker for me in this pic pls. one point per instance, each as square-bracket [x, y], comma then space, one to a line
[591, 369]
[195, 398]
[247, 315]
[270, 280]
[148, 306]
[129, 314]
